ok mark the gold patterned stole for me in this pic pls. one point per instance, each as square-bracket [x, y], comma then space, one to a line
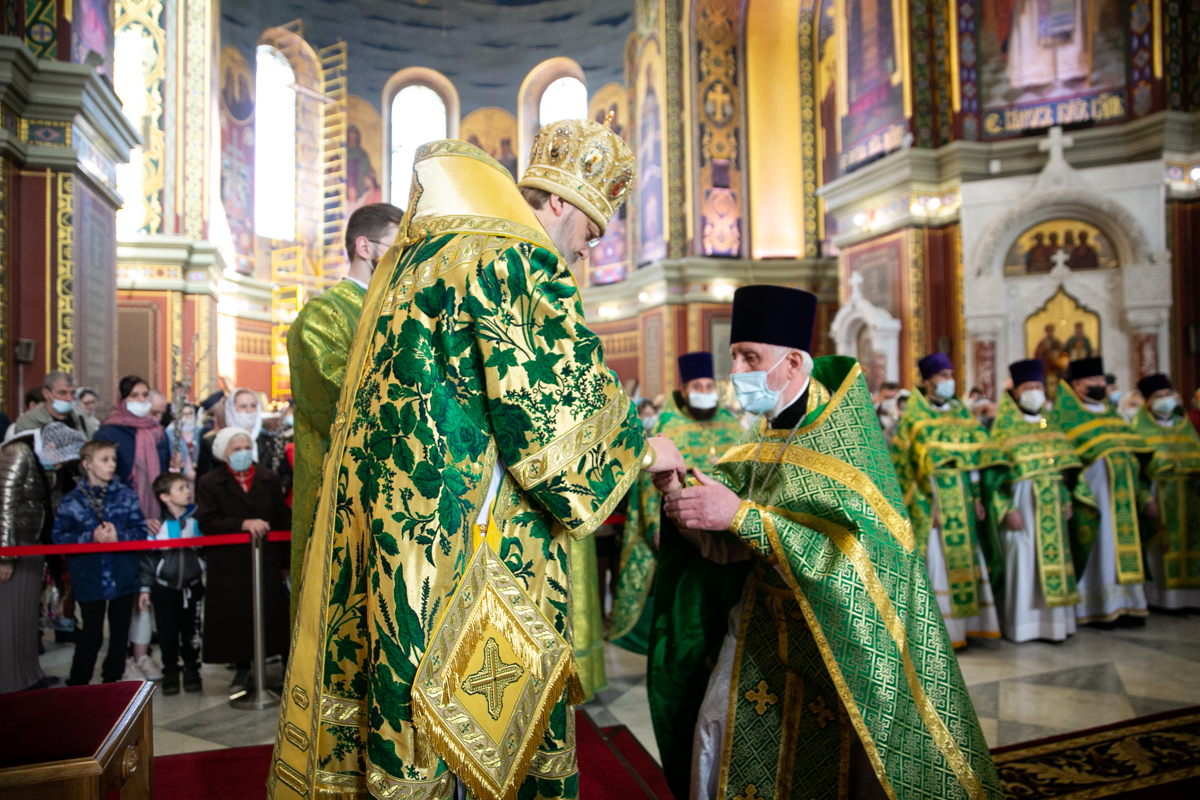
[1174, 467]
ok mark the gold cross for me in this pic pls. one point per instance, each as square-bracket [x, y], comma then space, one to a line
[718, 102]
[761, 698]
[751, 793]
[823, 714]
[492, 679]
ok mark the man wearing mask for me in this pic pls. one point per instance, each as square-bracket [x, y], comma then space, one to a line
[834, 675]
[1106, 540]
[1173, 527]
[939, 450]
[1027, 539]
[703, 431]
[58, 388]
[318, 344]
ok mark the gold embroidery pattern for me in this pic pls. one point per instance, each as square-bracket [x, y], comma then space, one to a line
[819, 710]
[493, 677]
[291, 778]
[762, 698]
[342, 712]
[540, 466]
[295, 736]
[385, 787]
[554, 765]
[300, 697]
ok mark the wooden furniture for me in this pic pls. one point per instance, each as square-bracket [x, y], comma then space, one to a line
[78, 743]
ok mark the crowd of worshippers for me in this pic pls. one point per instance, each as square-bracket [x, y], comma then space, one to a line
[148, 470]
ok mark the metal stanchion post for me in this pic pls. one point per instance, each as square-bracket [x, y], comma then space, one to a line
[260, 696]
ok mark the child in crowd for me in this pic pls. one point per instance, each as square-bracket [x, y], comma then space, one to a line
[101, 509]
[173, 579]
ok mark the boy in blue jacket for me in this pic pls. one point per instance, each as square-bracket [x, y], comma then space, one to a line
[101, 509]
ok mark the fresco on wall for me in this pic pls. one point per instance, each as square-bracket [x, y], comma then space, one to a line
[827, 121]
[871, 85]
[609, 260]
[1082, 246]
[364, 149]
[494, 131]
[651, 180]
[1054, 62]
[718, 100]
[1060, 332]
[237, 153]
[92, 31]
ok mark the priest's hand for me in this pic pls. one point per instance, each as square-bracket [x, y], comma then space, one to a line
[1068, 511]
[980, 511]
[1151, 509]
[711, 506]
[1014, 521]
[668, 469]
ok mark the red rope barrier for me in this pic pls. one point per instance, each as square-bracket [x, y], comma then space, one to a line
[144, 544]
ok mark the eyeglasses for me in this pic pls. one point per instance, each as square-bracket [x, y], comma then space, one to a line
[596, 235]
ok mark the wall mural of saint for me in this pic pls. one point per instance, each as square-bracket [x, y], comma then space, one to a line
[651, 233]
[609, 260]
[237, 153]
[1060, 332]
[1080, 245]
[871, 83]
[364, 137]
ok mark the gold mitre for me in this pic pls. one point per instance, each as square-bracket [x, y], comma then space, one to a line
[584, 163]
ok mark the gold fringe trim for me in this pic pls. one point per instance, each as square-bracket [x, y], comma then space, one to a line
[464, 767]
[489, 610]
[425, 755]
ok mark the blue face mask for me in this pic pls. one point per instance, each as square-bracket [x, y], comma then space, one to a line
[945, 389]
[241, 460]
[63, 406]
[752, 391]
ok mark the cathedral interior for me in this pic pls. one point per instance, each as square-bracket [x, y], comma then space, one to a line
[944, 175]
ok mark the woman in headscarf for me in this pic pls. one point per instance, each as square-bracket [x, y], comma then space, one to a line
[239, 495]
[188, 439]
[269, 448]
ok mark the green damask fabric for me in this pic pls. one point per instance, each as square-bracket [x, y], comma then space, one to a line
[1175, 468]
[318, 343]
[701, 442]
[587, 619]
[472, 348]
[832, 516]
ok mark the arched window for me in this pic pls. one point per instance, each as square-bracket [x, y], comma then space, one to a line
[275, 155]
[131, 47]
[565, 98]
[419, 105]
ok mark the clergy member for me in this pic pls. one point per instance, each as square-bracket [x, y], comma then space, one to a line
[478, 432]
[1106, 541]
[703, 430]
[1173, 533]
[1030, 497]
[836, 677]
[318, 344]
[939, 450]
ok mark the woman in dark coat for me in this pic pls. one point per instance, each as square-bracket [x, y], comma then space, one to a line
[238, 495]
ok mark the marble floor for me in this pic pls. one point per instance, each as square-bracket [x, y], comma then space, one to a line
[1020, 692]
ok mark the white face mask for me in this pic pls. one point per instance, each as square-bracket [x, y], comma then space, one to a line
[752, 391]
[702, 400]
[649, 421]
[139, 408]
[1164, 407]
[63, 406]
[1032, 401]
[241, 460]
[945, 389]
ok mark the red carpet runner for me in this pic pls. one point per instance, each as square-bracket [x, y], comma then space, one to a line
[612, 766]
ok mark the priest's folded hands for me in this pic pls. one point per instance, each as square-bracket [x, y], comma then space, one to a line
[665, 463]
[711, 506]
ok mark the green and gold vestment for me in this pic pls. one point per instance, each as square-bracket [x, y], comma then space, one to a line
[1041, 453]
[1175, 469]
[1107, 436]
[701, 442]
[840, 634]
[318, 345]
[472, 350]
[941, 448]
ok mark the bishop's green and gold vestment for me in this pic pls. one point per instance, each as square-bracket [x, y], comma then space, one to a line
[702, 443]
[318, 345]
[938, 453]
[1174, 545]
[839, 636]
[432, 639]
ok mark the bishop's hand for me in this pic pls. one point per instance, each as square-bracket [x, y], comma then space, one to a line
[668, 469]
[711, 506]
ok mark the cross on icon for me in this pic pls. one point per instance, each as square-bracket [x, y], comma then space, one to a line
[493, 677]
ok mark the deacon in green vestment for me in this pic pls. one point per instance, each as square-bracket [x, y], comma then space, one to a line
[702, 430]
[1026, 539]
[939, 451]
[318, 344]
[1173, 527]
[477, 433]
[836, 677]
[1106, 539]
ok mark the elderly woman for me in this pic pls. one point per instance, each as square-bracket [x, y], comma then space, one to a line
[242, 411]
[239, 495]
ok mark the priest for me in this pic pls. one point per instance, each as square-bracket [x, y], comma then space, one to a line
[318, 343]
[836, 677]
[1030, 497]
[939, 450]
[1173, 529]
[478, 432]
[1106, 541]
[703, 430]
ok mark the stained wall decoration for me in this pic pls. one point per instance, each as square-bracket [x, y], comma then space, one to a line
[650, 222]
[92, 31]
[95, 287]
[609, 260]
[237, 153]
[874, 99]
[825, 68]
[892, 279]
[718, 111]
[140, 23]
[364, 154]
[494, 131]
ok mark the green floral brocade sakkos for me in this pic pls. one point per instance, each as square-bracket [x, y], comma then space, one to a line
[1038, 452]
[318, 344]
[942, 448]
[1175, 468]
[701, 442]
[472, 348]
[840, 634]
[1105, 436]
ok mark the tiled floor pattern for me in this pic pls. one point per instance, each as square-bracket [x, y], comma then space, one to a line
[1020, 692]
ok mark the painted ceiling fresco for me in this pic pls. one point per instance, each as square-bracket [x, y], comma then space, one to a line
[486, 47]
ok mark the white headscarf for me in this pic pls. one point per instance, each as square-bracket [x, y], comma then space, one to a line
[224, 437]
[251, 424]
